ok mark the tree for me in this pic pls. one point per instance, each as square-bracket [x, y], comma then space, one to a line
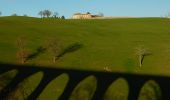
[41, 13]
[62, 17]
[101, 14]
[88, 13]
[47, 13]
[55, 14]
[53, 47]
[22, 53]
[169, 15]
[141, 52]
[14, 14]
[25, 15]
[0, 13]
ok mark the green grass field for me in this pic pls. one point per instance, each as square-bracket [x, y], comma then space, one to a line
[105, 43]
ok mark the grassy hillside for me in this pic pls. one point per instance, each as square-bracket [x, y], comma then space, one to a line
[108, 43]
[105, 43]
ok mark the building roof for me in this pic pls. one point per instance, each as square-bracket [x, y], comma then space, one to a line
[77, 14]
[82, 14]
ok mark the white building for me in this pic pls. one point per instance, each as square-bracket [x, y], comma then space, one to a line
[82, 16]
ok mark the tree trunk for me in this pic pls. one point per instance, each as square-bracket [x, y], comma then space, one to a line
[22, 61]
[140, 61]
[54, 59]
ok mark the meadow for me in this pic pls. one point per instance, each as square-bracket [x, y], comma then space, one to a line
[105, 43]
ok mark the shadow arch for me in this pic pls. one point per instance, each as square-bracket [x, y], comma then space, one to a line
[6, 77]
[55, 88]
[118, 90]
[85, 89]
[150, 91]
[48, 76]
[74, 79]
[16, 81]
[24, 87]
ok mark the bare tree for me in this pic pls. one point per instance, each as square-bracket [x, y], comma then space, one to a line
[55, 14]
[41, 13]
[22, 53]
[168, 15]
[44, 14]
[88, 13]
[101, 14]
[47, 13]
[141, 52]
[14, 14]
[62, 17]
[25, 15]
[53, 46]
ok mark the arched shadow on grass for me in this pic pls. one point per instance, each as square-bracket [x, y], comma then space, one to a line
[104, 79]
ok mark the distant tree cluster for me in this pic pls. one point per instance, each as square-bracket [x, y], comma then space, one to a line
[50, 14]
[25, 15]
[45, 13]
[14, 14]
[166, 15]
[100, 14]
[55, 14]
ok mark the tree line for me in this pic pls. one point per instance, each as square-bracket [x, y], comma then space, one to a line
[43, 14]
[48, 14]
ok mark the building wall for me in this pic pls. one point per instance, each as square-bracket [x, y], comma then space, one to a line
[76, 16]
[82, 16]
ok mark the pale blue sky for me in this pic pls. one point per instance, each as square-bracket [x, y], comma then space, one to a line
[136, 8]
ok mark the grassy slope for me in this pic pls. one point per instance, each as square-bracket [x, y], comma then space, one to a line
[106, 43]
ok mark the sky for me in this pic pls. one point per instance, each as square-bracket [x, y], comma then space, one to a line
[131, 8]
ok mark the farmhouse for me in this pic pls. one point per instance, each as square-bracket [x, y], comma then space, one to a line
[84, 16]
